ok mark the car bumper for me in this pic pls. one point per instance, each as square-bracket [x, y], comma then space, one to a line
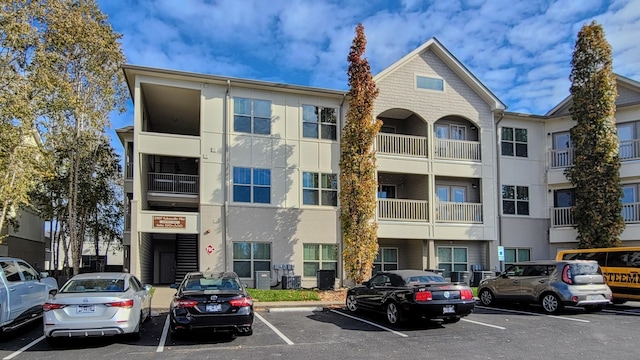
[222, 322]
[437, 310]
[53, 327]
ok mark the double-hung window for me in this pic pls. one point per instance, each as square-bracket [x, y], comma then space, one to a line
[251, 185]
[387, 259]
[319, 189]
[249, 257]
[514, 142]
[452, 259]
[515, 200]
[320, 257]
[251, 116]
[319, 122]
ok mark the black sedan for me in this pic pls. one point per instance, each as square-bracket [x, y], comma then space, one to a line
[412, 294]
[215, 302]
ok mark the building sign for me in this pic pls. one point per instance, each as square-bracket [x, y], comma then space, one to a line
[170, 222]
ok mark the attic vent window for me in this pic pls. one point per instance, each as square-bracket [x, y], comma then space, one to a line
[429, 83]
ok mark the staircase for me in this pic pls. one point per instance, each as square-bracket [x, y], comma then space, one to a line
[186, 255]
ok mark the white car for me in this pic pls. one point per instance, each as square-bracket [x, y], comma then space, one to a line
[97, 304]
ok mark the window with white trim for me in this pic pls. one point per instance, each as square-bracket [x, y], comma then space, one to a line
[319, 257]
[319, 189]
[251, 185]
[387, 259]
[249, 257]
[515, 200]
[252, 116]
[514, 255]
[514, 142]
[319, 122]
[452, 259]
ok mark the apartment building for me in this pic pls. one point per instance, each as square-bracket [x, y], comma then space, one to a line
[235, 174]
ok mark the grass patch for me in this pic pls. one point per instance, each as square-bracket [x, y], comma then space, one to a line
[475, 291]
[283, 295]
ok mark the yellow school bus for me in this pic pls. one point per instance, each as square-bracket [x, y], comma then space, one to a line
[620, 265]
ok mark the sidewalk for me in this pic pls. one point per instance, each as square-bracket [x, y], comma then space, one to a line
[163, 295]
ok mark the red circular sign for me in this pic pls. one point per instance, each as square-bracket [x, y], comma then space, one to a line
[210, 249]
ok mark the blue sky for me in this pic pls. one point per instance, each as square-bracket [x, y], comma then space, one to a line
[520, 49]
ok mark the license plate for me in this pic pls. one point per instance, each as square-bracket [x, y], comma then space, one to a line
[213, 307]
[595, 297]
[86, 309]
[449, 309]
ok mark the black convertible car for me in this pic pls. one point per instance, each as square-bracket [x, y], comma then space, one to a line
[404, 294]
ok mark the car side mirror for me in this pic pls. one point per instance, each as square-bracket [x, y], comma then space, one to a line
[148, 287]
[44, 274]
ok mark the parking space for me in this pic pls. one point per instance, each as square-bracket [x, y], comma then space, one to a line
[495, 332]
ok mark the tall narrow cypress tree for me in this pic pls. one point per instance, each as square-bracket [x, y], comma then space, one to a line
[596, 170]
[358, 182]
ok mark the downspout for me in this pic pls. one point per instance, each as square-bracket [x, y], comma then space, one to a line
[499, 184]
[341, 117]
[225, 173]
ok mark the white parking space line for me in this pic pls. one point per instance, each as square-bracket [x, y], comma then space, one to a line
[18, 352]
[531, 313]
[282, 336]
[484, 324]
[163, 338]
[625, 312]
[371, 323]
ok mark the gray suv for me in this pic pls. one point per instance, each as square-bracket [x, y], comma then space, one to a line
[551, 283]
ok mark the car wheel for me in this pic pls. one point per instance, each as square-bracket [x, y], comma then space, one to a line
[551, 303]
[393, 313]
[594, 308]
[352, 303]
[486, 297]
[451, 320]
[135, 335]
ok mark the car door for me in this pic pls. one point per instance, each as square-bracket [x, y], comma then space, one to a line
[17, 292]
[370, 295]
[507, 285]
[35, 289]
[534, 278]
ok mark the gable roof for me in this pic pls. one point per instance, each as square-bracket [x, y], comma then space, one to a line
[454, 64]
[563, 107]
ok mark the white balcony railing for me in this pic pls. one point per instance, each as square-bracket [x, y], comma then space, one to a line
[403, 210]
[457, 149]
[559, 158]
[173, 183]
[459, 212]
[563, 216]
[406, 145]
[629, 149]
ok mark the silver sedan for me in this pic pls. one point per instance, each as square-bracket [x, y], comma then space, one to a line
[97, 304]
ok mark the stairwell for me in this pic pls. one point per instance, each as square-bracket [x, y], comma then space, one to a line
[186, 255]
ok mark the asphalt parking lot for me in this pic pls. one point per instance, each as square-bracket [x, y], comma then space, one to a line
[522, 332]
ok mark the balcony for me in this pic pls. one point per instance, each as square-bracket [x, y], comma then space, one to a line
[403, 210]
[563, 216]
[629, 150]
[457, 149]
[404, 145]
[173, 183]
[459, 212]
[560, 158]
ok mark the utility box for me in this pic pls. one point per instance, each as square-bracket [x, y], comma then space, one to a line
[291, 281]
[326, 279]
[263, 280]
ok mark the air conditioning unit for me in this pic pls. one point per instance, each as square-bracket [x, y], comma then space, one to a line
[263, 280]
[291, 281]
[326, 279]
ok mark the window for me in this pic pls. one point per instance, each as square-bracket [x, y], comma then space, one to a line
[252, 116]
[320, 257]
[429, 83]
[387, 259]
[386, 191]
[319, 189]
[319, 122]
[451, 131]
[513, 255]
[629, 201]
[452, 259]
[10, 271]
[514, 142]
[27, 271]
[252, 185]
[515, 200]
[249, 257]
[627, 148]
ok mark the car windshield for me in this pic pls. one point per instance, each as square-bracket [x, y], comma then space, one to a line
[424, 279]
[93, 285]
[197, 283]
[586, 268]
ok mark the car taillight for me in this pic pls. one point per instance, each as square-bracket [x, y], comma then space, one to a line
[424, 296]
[466, 295]
[566, 275]
[124, 303]
[245, 301]
[50, 306]
[185, 303]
